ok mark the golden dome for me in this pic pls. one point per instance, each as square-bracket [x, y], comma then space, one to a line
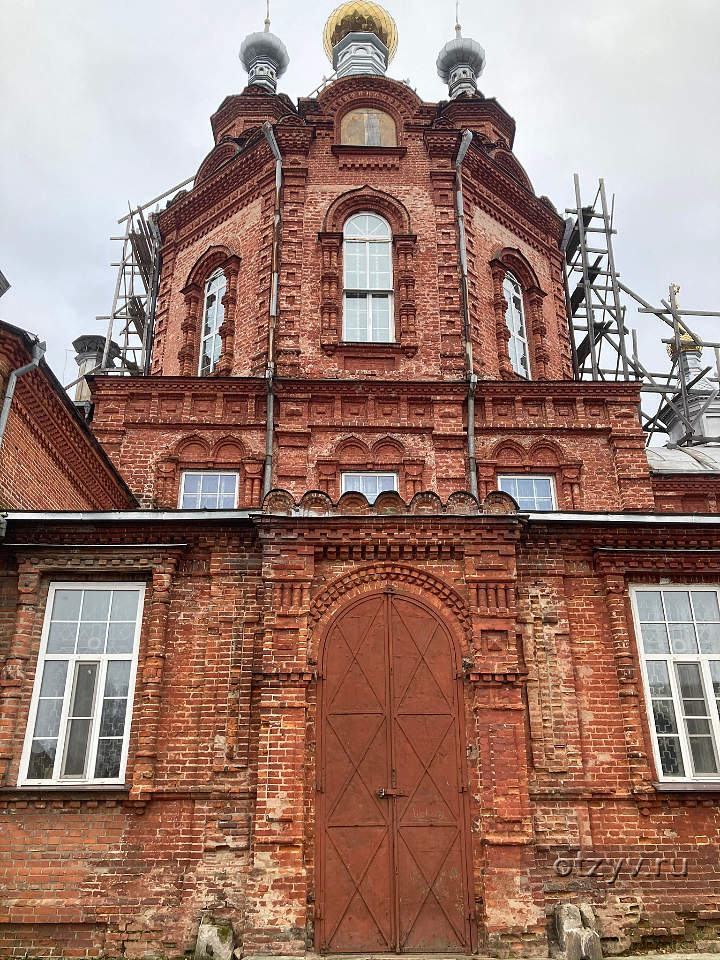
[360, 16]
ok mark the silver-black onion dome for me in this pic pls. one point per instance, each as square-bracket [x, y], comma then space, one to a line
[460, 63]
[265, 58]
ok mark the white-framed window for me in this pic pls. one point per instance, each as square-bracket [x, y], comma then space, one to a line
[678, 634]
[213, 316]
[370, 483]
[531, 491]
[367, 280]
[515, 319]
[208, 490]
[81, 708]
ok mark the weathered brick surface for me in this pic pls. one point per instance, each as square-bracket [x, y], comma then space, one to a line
[218, 814]
[48, 460]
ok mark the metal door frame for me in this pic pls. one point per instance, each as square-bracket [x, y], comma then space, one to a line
[320, 795]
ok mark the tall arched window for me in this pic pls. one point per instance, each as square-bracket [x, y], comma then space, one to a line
[213, 316]
[515, 319]
[367, 280]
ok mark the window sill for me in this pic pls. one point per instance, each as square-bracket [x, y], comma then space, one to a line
[65, 788]
[370, 348]
[688, 786]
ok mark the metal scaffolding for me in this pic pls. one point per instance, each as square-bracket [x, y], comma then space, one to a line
[128, 340]
[676, 401]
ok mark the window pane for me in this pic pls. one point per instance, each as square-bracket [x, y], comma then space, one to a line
[356, 318]
[381, 332]
[96, 605]
[682, 638]
[112, 720]
[677, 604]
[703, 755]
[191, 483]
[227, 483]
[190, 501]
[705, 603]
[509, 485]
[387, 482]
[66, 605]
[76, 749]
[42, 759]
[709, 637]
[658, 679]
[689, 680]
[526, 488]
[91, 637]
[107, 762]
[121, 637]
[380, 266]
[670, 757]
[84, 693]
[47, 720]
[61, 638]
[124, 605]
[664, 715]
[649, 605]
[117, 678]
[655, 638]
[53, 681]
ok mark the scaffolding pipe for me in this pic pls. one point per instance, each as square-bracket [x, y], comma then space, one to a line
[38, 352]
[270, 365]
[469, 364]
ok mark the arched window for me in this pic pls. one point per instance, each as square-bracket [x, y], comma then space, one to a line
[366, 127]
[213, 316]
[515, 319]
[368, 280]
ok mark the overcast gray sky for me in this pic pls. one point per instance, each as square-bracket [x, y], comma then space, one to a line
[105, 103]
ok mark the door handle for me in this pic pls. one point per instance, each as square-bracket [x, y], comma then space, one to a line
[383, 793]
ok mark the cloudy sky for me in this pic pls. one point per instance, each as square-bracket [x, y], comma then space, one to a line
[105, 103]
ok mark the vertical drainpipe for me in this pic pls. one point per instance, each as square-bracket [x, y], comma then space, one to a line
[38, 352]
[469, 367]
[270, 365]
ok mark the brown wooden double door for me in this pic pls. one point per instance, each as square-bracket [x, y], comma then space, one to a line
[393, 865]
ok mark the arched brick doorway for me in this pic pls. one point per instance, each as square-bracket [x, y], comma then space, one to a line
[392, 787]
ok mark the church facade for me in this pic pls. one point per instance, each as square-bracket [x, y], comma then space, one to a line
[358, 625]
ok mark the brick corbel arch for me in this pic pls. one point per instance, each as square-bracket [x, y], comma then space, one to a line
[445, 600]
[197, 453]
[543, 456]
[512, 260]
[404, 244]
[386, 454]
[214, 258]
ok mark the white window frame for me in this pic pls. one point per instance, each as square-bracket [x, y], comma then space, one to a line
[208, 473]
[214, 333]
[703, 659]
[531, 476]
[368, 473]
[73, 659]
[369, 294]
[520, 340]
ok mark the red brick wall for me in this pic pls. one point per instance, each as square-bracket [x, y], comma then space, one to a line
[219, 815]
[47, 460]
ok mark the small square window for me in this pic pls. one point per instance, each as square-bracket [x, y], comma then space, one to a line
[208, 490]
[530, 491]
[371, 484]
[79, 723]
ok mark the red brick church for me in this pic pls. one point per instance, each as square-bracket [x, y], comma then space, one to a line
[358, 624]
